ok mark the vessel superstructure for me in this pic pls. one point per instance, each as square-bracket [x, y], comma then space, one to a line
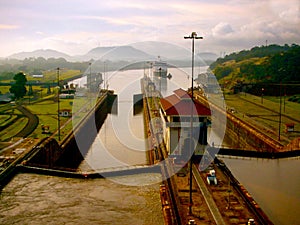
[160, 68]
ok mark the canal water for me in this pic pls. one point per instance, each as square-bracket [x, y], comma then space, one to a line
[274, 184]
[134, 199]
[121, 140]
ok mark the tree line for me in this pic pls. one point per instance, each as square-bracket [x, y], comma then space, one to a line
[272, 63]
[9, 67]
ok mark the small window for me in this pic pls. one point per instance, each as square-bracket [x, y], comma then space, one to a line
[176, 119]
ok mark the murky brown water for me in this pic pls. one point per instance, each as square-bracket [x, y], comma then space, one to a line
[39, 199]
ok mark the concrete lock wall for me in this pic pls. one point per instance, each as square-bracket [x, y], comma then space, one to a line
[77, 144]
[71, 151]
[242, 135]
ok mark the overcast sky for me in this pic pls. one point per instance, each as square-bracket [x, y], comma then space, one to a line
[76, 26]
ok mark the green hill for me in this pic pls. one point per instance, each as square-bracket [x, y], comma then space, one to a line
[265, 64]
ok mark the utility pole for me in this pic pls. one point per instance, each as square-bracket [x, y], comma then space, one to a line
[90, 80]
[58, 106]
[104, 75]
[193, 36]
[90, 85]
[279, 126]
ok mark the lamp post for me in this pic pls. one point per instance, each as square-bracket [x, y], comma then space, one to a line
[279, 122]
[159, 79]
[262, 95]
[193, 36]
[58, 106]
[90, 80]
[284, 98]
[104, 76]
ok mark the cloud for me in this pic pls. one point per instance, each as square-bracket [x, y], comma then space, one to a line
[291, 15]
[8, 27]
[225, 25]
[251, 34]
[222, 28]
[41, 33]
[287, 11]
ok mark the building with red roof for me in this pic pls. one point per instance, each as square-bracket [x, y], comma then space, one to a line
[177, 110]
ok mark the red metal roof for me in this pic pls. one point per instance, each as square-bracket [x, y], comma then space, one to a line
[289, 124]
[169, 101]
[180, 103]
[182, 94]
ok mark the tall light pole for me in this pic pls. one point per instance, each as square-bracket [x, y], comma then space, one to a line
[90, 80]
[58, 106]
[279, 122]
[193, 36]
[159, 79]
[90, 85]
[104, 76]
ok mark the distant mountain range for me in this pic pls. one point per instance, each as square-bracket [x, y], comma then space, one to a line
[169, 51]
[116, 53]
[45, 53]
[136, 52]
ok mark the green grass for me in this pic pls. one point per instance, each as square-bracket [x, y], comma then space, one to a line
[10, 117]
[46, 110]
[291, 108]
[264, 119]
[44, 105]
[4, 89]
[6, 119]
[51, 75]
[39, 92]
[11, 131]
[47, 113]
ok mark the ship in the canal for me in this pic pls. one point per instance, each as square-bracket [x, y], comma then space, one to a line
[160, 68]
